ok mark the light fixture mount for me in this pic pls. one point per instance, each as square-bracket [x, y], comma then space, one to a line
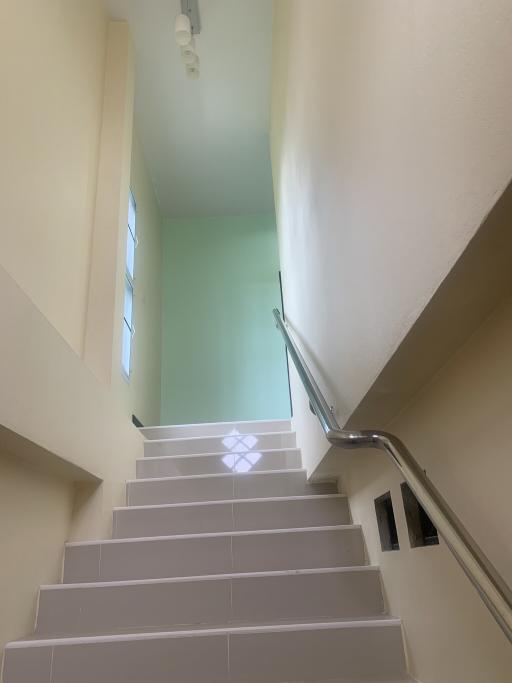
[191, 9]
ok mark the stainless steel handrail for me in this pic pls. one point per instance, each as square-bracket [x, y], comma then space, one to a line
[492, 588]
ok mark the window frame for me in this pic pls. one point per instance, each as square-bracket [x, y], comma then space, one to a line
[129, 284]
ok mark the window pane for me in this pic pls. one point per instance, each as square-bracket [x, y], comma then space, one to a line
[130, 254]
[127, 348]
[128, 303]
[131, 214]
[128, 287]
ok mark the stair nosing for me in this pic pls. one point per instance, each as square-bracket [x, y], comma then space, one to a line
[209, 424]
[217, 475]
[212, 577]
[385, 621]
[266, 451]
[214, 534]
[217, 436]
[230, 501]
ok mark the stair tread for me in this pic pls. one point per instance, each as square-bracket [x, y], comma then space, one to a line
[222, 422]
[220, 475]
[182, 488]
[264, 451]
[230, 501]
[202, 630]
[219, 436]
[217, 428]
[212, 577]
[212, 534]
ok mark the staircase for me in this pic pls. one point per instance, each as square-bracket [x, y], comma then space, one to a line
[226, 565]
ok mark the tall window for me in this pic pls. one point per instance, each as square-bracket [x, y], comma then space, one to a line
[131, 243]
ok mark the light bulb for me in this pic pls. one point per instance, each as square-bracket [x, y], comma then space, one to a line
[188, 53]
[192, 71]
[183, 30]
[189, 58]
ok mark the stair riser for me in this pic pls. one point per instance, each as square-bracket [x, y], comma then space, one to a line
[339, 653]
[218, 444]
[215, 464]
[214, 429]
[105, 609]
[237, 516]
[213, 555]
[237, 486]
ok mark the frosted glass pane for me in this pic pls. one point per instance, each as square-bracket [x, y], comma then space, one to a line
[127, 348]
[128, 302]
[131, 215]
[130, 254]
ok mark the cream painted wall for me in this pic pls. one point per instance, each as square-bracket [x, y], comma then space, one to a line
[458, 428]
[51, 70]
[54, 399]
[106, 276]
[35, 512]
[391, 140]
[60, 184]
[51, 399]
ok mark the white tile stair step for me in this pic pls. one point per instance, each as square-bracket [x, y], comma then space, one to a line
[220, 444]
[215, 429]
[216, 553]
[75, 609]
[251, 514]
[343, 651]
[218, 463]
[209, 487]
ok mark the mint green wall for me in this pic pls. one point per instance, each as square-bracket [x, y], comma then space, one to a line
[222, 358]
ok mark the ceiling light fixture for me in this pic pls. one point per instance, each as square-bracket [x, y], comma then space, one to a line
[188, 53]
[192, 71]
[183, 30]
[187, 25]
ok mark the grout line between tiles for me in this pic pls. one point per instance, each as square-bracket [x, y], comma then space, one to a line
[233, 516]
[51, 665]
[37, 612]
[229, 657]
[232, 558]
[231, 599]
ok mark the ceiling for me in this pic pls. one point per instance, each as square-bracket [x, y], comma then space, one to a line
[206, 140]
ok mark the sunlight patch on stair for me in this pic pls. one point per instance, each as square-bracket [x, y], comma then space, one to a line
[241, 458]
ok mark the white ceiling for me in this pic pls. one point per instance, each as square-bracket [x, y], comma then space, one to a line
[206, 140]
